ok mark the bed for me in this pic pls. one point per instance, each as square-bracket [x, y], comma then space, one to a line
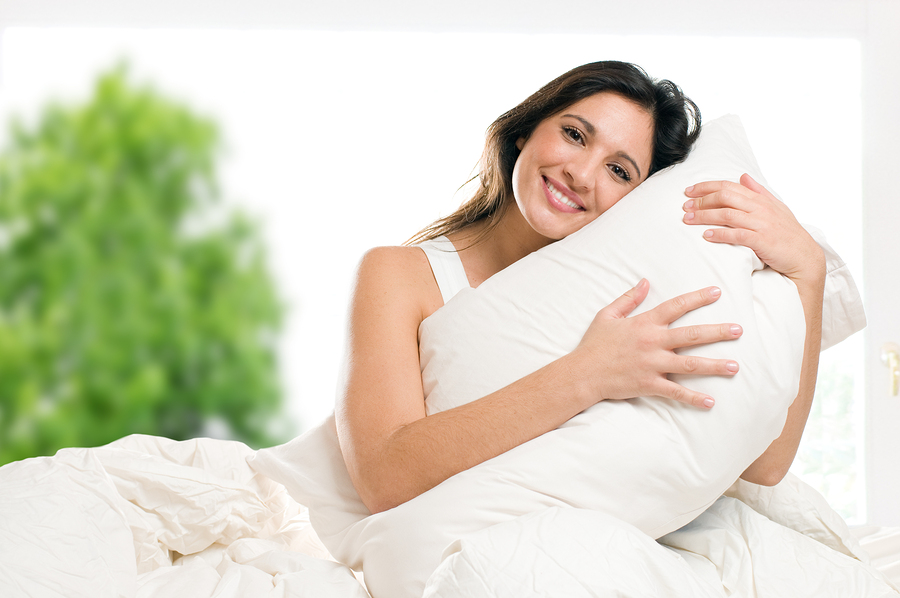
[629, 498]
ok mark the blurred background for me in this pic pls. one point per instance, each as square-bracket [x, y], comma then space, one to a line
[185, 191]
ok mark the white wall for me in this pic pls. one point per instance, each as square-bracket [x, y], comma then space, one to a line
[833, 18]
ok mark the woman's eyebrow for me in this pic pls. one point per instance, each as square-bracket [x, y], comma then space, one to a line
[633, 163]
[591, 131]
[587, 125]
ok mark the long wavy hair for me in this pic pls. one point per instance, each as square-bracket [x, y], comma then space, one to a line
[676, 126]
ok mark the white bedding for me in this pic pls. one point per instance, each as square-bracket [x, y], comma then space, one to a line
[116, 520]
[148, 517]
[755, 541]
[730, 550]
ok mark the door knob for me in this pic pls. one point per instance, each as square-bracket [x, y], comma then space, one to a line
[890, 356]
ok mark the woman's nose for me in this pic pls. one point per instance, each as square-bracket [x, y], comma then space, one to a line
[582, 172]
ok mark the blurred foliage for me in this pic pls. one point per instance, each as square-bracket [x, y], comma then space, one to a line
[827, 455]
[131, 300]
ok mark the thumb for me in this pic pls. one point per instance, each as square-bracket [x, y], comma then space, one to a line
[750, 183]
[624, 305]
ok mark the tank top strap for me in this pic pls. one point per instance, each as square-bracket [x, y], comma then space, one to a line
[446, 266]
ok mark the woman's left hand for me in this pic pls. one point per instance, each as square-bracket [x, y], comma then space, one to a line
[749, 215]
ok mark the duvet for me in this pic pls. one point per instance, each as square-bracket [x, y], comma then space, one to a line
[146, 517]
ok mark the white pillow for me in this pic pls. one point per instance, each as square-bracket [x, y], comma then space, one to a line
[654, 463]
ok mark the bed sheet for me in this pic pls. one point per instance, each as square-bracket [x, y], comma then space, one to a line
[149, 517]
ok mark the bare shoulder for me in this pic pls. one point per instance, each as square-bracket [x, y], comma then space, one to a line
[381, 378]
[397, 278]
[402, 261]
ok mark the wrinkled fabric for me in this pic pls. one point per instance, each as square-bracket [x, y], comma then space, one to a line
[147, 517]
[758, 542]
[883, 547]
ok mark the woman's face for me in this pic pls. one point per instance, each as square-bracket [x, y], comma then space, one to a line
[578, 163]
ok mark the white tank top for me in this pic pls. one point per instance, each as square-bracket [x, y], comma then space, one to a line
[446, 266]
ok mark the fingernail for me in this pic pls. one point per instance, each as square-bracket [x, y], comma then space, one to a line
[688, 204]
[689, 189]
[708, 402]
[731, 366]
[688, 216]
[707, 233]
[736, 330]
[715, 291]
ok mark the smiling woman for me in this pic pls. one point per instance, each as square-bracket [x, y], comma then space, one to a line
[392, 162]
[393, 451]
[620, 110]
[581, 163]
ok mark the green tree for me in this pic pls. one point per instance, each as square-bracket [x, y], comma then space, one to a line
[131, 299]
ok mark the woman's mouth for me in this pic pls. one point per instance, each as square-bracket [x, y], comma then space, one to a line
[560, 196]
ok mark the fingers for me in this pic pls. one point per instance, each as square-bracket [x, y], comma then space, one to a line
[715, 194]
[750, 183]
[694, 366]
[732, 236]
[644, 346]
[712, 195]
[671, 390]
[691, 336]
[728, 205]
[729, 217]
[624, 305]
[669, 311]
[701, 366]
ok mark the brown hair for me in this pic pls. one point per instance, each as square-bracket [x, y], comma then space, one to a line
[676, 126]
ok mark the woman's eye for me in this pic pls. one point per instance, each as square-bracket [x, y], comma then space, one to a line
[573, 134]
[620, 172]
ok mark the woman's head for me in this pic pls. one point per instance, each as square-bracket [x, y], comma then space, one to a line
[676, 122]
[578, 163]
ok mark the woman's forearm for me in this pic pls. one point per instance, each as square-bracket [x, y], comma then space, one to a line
[771, 467]
[425, 452]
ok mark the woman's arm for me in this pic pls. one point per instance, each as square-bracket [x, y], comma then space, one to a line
[771, 467]
[394, 452]
[753, 217]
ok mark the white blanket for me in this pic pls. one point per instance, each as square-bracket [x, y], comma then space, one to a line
[148, 517]
[730, 550]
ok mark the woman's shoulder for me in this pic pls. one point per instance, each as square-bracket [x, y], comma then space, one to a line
[400, 276]
[396, 263]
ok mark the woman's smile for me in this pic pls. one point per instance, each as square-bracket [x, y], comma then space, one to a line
[564, 201]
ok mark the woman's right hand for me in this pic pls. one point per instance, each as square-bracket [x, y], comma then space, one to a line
[625, 357]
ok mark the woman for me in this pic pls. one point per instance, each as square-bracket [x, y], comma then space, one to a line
[551, 165]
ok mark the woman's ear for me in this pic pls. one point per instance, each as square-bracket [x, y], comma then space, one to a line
[520, 143]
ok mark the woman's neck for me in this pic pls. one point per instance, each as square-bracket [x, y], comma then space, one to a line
[508, 242]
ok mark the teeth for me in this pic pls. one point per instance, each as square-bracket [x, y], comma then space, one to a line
[562, 198]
